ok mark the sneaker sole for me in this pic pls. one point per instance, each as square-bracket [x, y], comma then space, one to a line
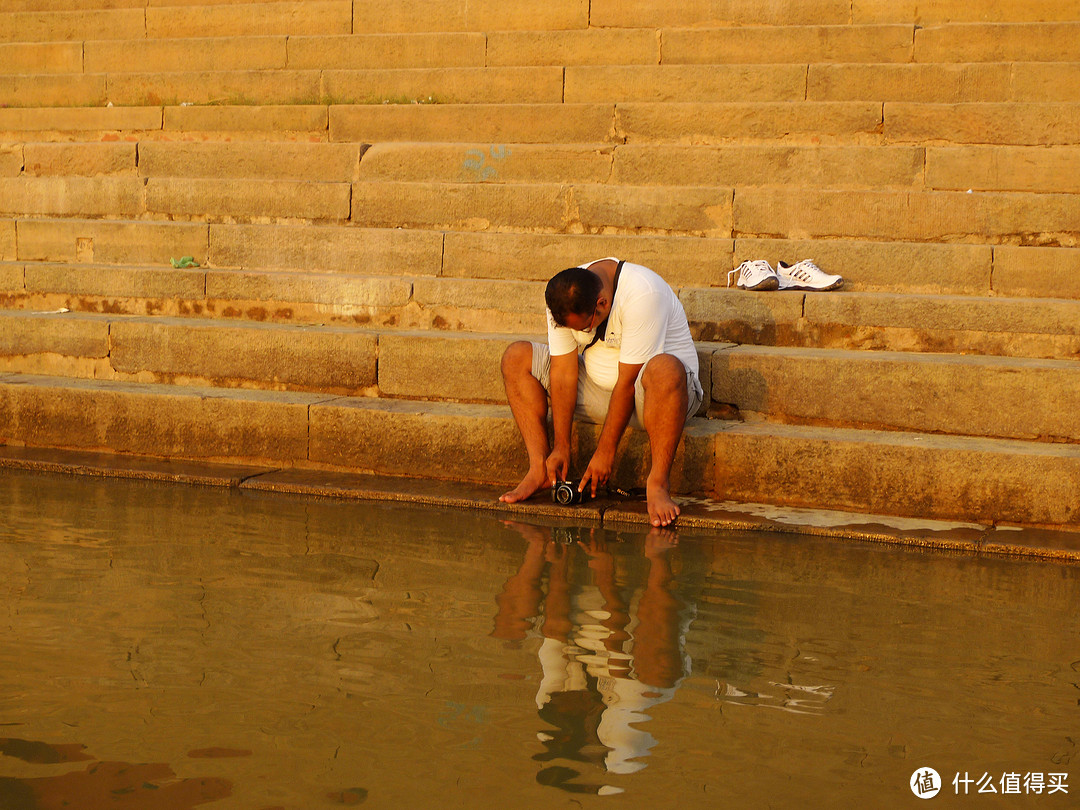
[762, 286]
[807, 288]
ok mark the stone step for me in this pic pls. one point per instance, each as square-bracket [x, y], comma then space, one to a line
[637, 123]
[273, 123]
[733, 164]
[916, 216]
[867, 266]
[887, 472]
[190, 351]
[981, 82]
[250, 160]
[1020, 123]
[175, 198]
[951, 324]
[892, 472]
[790, 44]
[628, 13]
[981, 168]
[988, 325]
[928, 393]
[872, 42]
[298, 17]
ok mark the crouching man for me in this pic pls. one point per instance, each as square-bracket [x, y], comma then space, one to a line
[619, 353]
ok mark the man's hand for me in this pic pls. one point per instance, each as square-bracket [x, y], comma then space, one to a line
[598, 473]
[558, 465]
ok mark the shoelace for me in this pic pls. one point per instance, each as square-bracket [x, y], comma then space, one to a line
[744, 268]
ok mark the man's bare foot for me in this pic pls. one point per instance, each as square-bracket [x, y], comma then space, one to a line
[662, 509]
[533, 482]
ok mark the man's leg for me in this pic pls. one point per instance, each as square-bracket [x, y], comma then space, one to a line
[664, 415]
[529, 404]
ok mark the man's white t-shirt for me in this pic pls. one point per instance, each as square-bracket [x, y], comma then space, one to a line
[646, 319]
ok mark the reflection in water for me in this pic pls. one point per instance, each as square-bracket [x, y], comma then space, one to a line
[297, 653]
[607, 656]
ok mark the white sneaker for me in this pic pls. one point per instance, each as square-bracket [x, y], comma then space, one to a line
[755, 275]
[805, 275]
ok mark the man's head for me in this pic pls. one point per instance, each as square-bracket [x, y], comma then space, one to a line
[574, 298]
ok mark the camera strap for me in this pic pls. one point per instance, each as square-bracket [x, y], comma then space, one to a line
[601, 328]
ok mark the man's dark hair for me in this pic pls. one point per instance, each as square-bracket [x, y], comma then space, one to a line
[573, 291]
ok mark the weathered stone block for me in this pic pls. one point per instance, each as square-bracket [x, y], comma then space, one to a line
[155, 420]
[686, 83]
[316, 288]
[68, 334]
[593, 46]
[237, 87]
[356, 52]
[472, 123]
[315, 162]
[997, 42]
[124, 281]
[908, 216]
[278, 119]
[41, 57]
[681, 210]
[88, 241]
[442, 366]
[80, 119]
[79, 159]
[926, 393]
[889, 472]
[308, 358]
[909, 82]
[1037, 272]
[702, 123]
[187, 54]
[769, 164]
[243, 198]
[72, 196]
[630, 13]
[289, 18]
[487, 163]
[344, 249]
[459, 206]
[429, 440]
[408, 16]
[49, 90]
[1019, 123]
[468, 85]
[771, 43]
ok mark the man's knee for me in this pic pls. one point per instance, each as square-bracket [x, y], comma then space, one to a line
[517, 359]
[665, 371]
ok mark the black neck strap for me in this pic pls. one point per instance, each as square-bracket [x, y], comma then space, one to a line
[601, 328]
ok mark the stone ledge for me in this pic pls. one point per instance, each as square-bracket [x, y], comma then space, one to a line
[700, 515]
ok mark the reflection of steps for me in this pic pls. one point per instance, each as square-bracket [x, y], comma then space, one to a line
[363, 265]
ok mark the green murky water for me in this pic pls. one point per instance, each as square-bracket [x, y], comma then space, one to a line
[175, 647]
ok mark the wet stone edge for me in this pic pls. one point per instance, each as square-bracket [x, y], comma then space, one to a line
[699, 514]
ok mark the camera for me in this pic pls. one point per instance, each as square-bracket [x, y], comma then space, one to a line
[566, 493]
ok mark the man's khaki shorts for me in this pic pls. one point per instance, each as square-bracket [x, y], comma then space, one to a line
[593, 400]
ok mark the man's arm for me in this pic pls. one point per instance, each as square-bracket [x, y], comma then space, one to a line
[620, 407]
[564, 384]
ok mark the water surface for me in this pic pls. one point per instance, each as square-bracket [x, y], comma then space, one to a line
[174, 647]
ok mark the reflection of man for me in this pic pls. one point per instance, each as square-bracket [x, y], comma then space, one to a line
[619, 353]
[604, 663]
